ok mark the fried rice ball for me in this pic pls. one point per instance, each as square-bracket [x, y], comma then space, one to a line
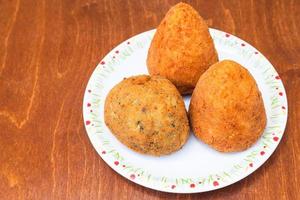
[182, 48]
[147, 114]
[227, 110]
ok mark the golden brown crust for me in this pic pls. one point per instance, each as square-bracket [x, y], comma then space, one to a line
[182, 48]
[226, 109]
[147, 114]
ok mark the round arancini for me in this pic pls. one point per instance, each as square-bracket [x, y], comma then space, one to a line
[147, 114]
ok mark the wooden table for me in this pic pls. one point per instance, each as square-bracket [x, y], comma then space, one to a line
[48, 50]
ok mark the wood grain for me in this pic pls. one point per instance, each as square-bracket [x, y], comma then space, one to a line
[48, 50]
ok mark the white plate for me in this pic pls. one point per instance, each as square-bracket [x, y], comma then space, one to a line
[196, 167]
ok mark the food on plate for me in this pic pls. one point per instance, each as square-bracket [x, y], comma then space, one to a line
[226, 110]
[182, 48]
[147, 114]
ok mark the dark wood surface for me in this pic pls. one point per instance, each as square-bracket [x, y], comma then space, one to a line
[48, 50]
